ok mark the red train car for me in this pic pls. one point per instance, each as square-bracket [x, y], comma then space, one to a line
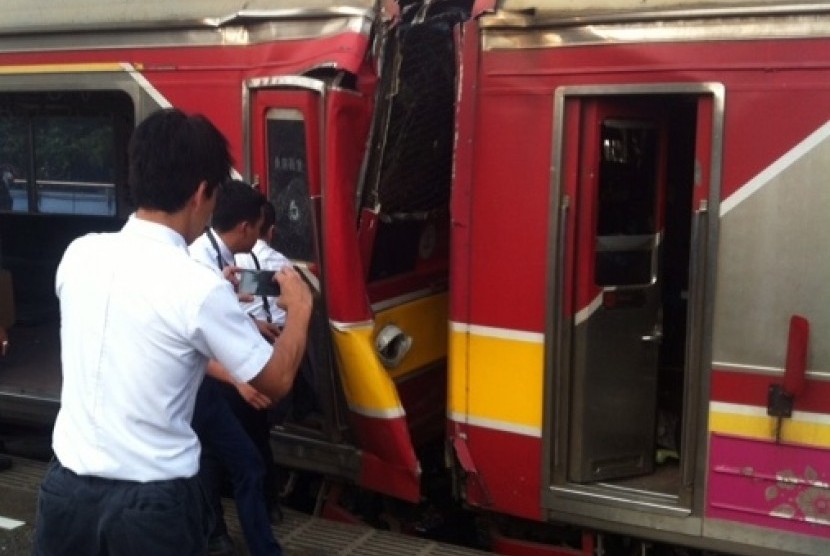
[293, 86]
[640, 339]
[582, 247]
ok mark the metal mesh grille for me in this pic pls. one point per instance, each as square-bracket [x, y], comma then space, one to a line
[409, 172]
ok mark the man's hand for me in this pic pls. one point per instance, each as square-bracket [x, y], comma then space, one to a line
[253, 396]
[269, 331]
[231, 274]
[295, 296]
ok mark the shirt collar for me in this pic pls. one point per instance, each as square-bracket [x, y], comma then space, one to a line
[154, 231]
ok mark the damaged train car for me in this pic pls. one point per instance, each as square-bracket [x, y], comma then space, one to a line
[580, 248]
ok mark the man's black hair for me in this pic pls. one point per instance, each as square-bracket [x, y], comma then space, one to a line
[236, 202]
[171, 153]
[269, 218]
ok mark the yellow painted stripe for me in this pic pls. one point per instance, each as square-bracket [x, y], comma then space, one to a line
[496, 378]
[496, 381]
[62, 68]
[368, 386]
[809, 429]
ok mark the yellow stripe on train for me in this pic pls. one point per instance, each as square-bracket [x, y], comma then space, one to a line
[369, 386]
[61, 68]
[810, 429]
[496, 378]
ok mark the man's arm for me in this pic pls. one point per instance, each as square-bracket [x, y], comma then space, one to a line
[277, 377]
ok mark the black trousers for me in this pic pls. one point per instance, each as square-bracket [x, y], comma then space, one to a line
[257, 425]
[92, 516]
[226, 447]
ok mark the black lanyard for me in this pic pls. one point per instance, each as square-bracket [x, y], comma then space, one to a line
[264, 298]
[219, 260]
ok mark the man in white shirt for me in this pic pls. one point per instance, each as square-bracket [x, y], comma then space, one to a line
[139, 321]
[222, 410]
[257, 420]
[234, 230]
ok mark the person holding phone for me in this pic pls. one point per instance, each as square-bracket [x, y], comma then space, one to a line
[264, 257]
[232, 442]
[140, 320]
[257, 421]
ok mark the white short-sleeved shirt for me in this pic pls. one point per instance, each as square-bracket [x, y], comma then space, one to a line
[269, 259]
[139, 321]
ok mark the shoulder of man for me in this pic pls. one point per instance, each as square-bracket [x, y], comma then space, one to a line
[199, 243]
[202, 250]
[273, 258]
[94, 242]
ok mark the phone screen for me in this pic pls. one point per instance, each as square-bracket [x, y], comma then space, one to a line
[258, 282]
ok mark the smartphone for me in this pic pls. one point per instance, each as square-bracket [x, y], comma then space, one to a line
[258, 282]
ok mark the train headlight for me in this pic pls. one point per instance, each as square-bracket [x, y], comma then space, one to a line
[392, 345]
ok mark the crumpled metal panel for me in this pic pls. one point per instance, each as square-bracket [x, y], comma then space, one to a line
[583, 6]
[23, 16]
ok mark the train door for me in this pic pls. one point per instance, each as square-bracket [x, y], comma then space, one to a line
[286, 158]
[618, 328]
[626, 374]
[376, 337]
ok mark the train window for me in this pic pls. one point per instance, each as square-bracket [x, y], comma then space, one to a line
[288, 184]
[627, 195]
[627, 178]
[63, 152]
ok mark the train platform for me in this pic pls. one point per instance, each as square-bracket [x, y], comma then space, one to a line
[299, 533]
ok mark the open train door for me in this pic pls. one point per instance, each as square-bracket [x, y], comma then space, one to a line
[618, 327]
[635, 171]
[286, 146]
[345, 417]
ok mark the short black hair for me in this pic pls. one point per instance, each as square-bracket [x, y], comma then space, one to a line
[236, 202]
[269, 218]
[171, 153]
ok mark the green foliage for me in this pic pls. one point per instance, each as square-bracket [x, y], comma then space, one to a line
[74, 149]
[58, 136]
